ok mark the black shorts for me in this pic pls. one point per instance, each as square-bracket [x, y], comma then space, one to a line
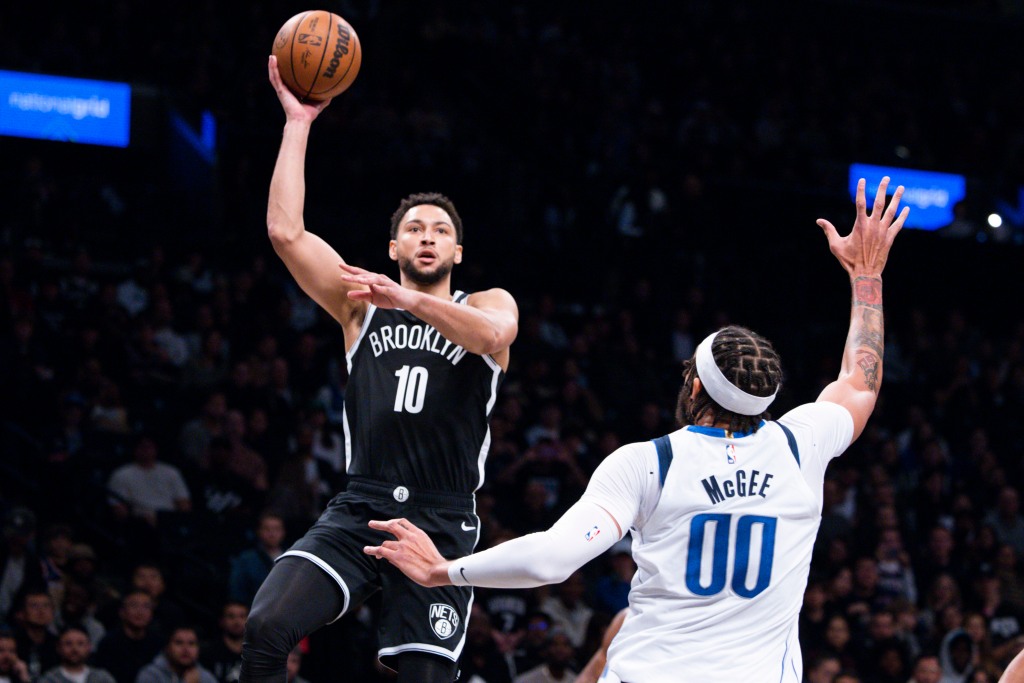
[413, 618]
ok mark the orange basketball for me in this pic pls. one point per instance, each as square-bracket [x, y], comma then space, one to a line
[318, 55]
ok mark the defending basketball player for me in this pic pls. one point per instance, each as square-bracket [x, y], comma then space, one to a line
[424, 365]
[723, 512]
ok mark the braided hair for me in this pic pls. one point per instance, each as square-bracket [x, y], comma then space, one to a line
[749, 361]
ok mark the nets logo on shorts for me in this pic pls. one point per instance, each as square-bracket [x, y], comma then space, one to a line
[444, 620]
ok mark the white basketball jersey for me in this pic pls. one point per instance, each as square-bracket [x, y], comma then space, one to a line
[723, 529]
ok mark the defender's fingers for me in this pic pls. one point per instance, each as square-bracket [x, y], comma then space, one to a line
[894, 204]
[879, 207]
[898, 224]
[398, 527]
[861, 202]
[352, 269]
[828, 229]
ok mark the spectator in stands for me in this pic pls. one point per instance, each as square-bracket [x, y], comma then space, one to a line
[19, 564]
[568, 608]
[148, 577]
[295, 666]
[223, 656]
[77, 610]
[195, 436]
[1006, 520]
[146, 487]
[179, 661]
[133, 644]
[34, 629]
[558, 656]
[12, 668]
[73, 650]
[250, 567]
[926, 670]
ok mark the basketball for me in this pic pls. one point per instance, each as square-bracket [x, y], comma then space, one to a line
[318, 55]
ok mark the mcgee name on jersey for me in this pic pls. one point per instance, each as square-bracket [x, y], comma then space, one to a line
[740, 484]
[421, 337]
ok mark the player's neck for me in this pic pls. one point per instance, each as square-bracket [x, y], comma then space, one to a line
[709, 421]
[442, 289]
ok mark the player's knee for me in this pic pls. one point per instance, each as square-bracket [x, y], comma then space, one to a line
[267, 633]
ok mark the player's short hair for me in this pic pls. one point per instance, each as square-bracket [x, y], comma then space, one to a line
[434, 199]
[749, 361]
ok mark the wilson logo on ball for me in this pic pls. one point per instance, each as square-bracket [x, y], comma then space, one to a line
[340, 50]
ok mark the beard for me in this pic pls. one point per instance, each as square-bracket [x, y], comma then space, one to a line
[425, 278]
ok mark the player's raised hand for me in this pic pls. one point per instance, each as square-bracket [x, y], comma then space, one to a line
[381, 291]
[412, 552]
[865, 250]
[293, 109]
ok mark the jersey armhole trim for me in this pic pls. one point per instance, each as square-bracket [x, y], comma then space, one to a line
[792, 441]
[370, 310]
[664, 448]
[462, 298]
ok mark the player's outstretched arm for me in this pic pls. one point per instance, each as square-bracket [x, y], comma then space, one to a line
[526, 562]
[488, 325]
[863, 254]
[312, 261]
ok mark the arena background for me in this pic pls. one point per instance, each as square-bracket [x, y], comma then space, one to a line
[634, 175]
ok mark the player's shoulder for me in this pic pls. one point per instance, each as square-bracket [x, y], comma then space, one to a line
[820, 413]
[493, 298]
[637, 456]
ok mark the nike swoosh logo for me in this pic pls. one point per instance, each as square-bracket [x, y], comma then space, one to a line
[463, 572]
[467, 528]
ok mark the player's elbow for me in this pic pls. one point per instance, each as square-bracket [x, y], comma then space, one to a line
[282, 232]
[279, 232]
[496, 339]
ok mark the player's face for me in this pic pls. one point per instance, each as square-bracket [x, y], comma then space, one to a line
[426, 246]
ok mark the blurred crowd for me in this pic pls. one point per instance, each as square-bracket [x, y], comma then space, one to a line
[170, 414]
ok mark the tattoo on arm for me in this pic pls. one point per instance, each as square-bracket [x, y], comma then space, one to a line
[868, 363]
[867, 291]
[867, 332]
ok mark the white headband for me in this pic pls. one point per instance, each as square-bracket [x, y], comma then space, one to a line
[724, 392]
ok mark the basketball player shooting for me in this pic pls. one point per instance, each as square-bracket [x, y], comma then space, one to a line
[425, 364]
[723, 512]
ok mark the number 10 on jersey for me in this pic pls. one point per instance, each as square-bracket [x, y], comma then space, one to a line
[720, 554]
[412, 389]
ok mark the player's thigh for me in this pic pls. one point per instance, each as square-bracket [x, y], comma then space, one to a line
[414, 618]
[335, 543]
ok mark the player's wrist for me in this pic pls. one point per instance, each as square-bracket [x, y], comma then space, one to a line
[297, 124]
[448, 574]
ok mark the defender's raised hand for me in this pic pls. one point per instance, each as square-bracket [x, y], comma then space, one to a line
[865, 250]
[412, 552]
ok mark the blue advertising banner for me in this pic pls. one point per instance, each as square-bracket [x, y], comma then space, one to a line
[66, 109]
[931, 196]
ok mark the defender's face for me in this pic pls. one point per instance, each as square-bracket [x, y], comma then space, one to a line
[426, 246]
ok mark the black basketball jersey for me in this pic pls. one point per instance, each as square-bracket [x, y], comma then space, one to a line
[417, 406]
